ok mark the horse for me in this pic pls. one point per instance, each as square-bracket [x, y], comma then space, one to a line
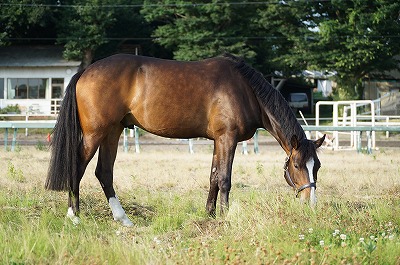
[223, 99]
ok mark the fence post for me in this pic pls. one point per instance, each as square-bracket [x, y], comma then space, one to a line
[14, 140]
[336, 123]
[373, 139]
[191, 146]
[353, 117]
[244, 148]
[6, 139]
[387, 125]
[369, 142]
[317, 118]
[137, 148]
[26, 119]
[125, 140]
[359, 133]
[255, 137]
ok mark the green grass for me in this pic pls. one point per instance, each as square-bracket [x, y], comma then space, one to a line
[172, 228]
[356, 221]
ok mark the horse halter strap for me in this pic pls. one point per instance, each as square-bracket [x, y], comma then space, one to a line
[290, 181]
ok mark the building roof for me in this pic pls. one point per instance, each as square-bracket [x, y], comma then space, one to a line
[319, 74]
[34, 56]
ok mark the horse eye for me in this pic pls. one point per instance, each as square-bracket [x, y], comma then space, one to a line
[296, 165]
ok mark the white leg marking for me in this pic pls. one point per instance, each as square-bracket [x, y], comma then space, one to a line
[118, 211]
[70, 214]
[310, 167]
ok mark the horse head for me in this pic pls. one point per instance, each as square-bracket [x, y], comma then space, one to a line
[301, 167]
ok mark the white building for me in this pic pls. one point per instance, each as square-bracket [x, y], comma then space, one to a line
[34, 77]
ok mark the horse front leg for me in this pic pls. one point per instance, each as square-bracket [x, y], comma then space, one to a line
[220, 178]
[213, 193]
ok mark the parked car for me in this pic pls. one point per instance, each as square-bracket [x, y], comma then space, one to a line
[298, 100]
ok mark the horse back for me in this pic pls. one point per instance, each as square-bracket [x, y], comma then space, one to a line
[168, 98]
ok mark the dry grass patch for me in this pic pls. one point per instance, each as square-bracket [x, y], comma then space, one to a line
[164, 191]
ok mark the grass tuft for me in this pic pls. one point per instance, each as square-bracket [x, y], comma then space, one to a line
[356, 221]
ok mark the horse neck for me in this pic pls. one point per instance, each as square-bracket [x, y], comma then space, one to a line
[280, 121]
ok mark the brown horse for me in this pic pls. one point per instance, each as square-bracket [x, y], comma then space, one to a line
[221, 98]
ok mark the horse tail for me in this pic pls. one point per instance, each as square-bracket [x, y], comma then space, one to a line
[65, 143]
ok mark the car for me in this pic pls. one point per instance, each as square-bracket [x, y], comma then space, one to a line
[298, 100]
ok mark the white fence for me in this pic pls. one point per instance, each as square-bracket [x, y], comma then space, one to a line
[15, 125]
[350, 118]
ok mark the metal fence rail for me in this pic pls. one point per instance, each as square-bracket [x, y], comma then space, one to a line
[15, 125]
[358, 129]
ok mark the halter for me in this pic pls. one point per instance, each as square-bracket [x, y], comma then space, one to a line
[290, 181]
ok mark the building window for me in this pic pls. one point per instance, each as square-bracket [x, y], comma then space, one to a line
[27, 88]
[57, 87]
[1, 88]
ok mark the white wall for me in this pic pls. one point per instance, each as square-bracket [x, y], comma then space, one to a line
[35, 72]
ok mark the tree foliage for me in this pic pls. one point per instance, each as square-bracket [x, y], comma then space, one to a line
[283, 31]
[198, 31]
[355, 38]
[20, 19]
[362, 38]
[84, 28]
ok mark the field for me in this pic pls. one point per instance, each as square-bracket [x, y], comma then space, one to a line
[163, 190]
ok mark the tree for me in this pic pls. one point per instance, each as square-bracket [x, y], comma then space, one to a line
[362, 37]
[197, 31]
[83, 28]
[130, 29]
[21, 19]
[355, 38]
[281, 30]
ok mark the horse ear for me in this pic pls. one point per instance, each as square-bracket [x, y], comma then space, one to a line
[294, 142]
[319, 142]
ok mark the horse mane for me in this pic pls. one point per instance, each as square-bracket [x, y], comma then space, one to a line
[273, 101]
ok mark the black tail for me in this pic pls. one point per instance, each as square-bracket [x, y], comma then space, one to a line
[65, 143]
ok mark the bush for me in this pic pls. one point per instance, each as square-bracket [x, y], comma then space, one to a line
[10, 109]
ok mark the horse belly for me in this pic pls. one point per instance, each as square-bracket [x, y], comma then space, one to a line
[170, 117]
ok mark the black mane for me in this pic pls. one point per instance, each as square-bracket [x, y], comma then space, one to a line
[273, 101]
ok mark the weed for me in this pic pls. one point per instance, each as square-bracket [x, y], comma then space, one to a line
[14, 173]
[260, 168]
[265, 224]
[40, 146]
[17, 148]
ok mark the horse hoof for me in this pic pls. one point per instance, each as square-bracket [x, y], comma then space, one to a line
[126, 222]
[212, 215]
[75, 219]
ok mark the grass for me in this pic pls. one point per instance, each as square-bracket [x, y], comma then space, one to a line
[163, 191]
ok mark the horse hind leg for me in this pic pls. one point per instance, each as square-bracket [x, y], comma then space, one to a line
[104, 173]
[87, 149]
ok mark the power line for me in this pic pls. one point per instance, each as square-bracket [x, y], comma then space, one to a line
[208, 38]
[59, 4]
